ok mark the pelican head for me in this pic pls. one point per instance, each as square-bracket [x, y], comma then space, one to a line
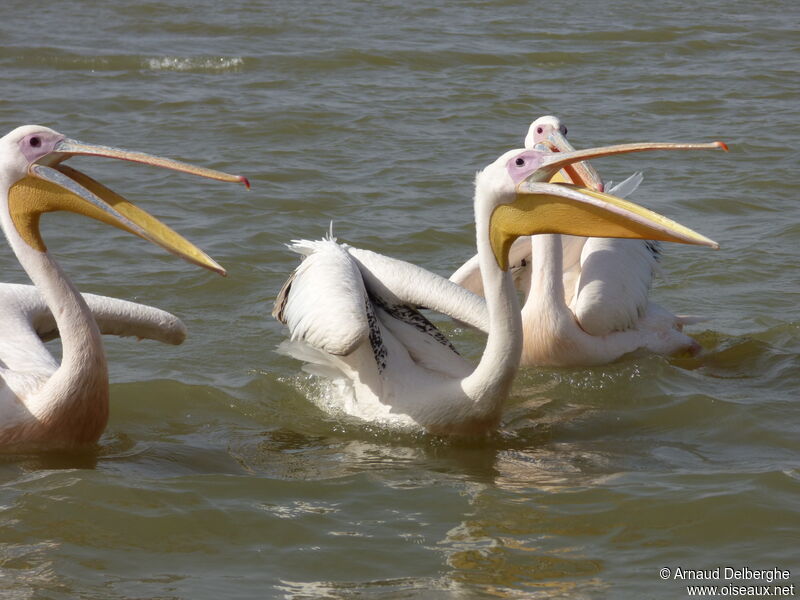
[522, 203]
[38, 182]
[543, 128]
[548, 133]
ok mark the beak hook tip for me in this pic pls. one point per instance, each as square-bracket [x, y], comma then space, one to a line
[722, 145]
[245, 181]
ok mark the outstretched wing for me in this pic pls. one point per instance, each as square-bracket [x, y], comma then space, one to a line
[341, 298]
[26, 323]
[397, 282]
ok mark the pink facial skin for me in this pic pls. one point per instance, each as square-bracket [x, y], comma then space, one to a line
[36, 145]
[523, 164]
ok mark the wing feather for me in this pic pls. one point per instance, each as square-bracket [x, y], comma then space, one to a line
[324, 301]
[113, 316]
[614, 277]
[26, 322]
[615, 280]
[397, 282]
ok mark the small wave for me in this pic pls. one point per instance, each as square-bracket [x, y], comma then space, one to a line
[181, 63]
[36, 57]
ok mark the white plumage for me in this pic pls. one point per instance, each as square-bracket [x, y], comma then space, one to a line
[44, 403]
[352, 314]
[599, 309]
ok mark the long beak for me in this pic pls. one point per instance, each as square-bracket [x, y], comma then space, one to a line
[580, 173]
[552, 163]
[47, 189]
[67, 148]
[567, 209]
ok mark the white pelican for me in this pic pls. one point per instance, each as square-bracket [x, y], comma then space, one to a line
[586, 299]
[42, 403]
[351, 313]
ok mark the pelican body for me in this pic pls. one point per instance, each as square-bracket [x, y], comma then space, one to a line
[352, 315]
[44, 404]
[586, 299]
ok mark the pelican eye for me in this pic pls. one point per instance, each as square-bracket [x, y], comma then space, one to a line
[519, 162]
[35, 141]
[539, 130]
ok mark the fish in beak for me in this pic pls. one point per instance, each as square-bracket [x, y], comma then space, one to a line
[50, 185]
[541, 207]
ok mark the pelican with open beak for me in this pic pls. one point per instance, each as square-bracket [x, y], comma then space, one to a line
[352, 314]
[587, 298]
[42, 402]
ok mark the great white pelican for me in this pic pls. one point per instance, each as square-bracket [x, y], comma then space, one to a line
[586, 299]
[352, 314]
[44, 404]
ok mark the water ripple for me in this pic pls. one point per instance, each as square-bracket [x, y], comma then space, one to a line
[220, 476]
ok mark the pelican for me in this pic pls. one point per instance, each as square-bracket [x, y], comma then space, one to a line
[351, 313]
[44, 404]
[586, 299]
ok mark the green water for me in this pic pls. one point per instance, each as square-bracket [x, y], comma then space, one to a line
[218, 475]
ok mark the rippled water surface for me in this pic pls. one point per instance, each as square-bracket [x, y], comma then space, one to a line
[219, 476]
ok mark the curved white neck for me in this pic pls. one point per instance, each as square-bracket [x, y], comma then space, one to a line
[547, 268]
[80, 384]
[489, 384]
